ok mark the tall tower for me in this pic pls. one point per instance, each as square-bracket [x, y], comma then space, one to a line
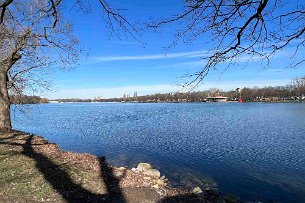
[135, 94]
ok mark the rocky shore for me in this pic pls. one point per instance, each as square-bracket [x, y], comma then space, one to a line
[34, 170]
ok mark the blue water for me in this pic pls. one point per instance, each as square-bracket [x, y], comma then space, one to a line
[253, 150]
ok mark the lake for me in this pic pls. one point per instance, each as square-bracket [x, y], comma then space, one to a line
[253, 150]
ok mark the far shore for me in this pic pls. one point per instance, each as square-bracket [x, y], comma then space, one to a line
[172, 102]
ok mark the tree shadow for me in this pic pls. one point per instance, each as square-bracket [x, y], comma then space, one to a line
[111, 182]
[61, 181]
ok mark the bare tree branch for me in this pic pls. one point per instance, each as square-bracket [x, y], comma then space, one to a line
[3, 7]
[116, 19]
[234, 29]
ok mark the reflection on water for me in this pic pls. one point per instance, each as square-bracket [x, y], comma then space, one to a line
[254, 150]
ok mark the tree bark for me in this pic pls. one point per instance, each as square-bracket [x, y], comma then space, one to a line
[5, 119]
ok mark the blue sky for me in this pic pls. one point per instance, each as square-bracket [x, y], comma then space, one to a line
[117, 65]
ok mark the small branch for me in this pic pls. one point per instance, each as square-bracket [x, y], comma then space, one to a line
[3, 7]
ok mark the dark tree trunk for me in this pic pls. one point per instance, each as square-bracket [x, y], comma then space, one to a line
[5, 119]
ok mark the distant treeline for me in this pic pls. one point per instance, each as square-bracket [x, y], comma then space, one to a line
[295, 91]
[25, 99]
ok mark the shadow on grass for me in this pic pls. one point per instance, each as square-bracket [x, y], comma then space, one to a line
[60, 180]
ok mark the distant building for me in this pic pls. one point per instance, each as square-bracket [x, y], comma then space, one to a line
[98, 98]
[135, 94]
[217, 99]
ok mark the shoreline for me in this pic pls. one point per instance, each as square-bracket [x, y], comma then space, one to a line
[169, 102]
[89, 178]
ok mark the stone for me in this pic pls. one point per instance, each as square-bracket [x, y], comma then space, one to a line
[230, 198]
[215, 190]
[197, 190]
[144, 166]
[122, 168]
[146, 184]
[161, 183]
[147, 201]
[162, 178]
[207, 189]
[147, 178]
[156, 186]
[221, 200]
[118, 174]
[214, 184]
[160, 192]
[152, 172]
[186, 181]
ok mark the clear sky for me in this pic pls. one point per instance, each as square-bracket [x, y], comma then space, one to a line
[118, 65]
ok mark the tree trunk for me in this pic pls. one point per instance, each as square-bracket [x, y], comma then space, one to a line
[5, 119]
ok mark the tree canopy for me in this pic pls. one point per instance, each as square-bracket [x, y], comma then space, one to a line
[255, 29]
[35, 37]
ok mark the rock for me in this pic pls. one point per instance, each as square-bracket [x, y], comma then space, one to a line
[161, 183]
[213, 184]
[133, 169]
[207, 189]
[221, 200]
[152, 172]
[215, 190]
[143, 166]
[160, 192]
[147, 201]
[147, 178]
[118, 174]
[122, 168]
[162, 178]
[197, 190]
[229, 198]
[212, 192]
[155, 186]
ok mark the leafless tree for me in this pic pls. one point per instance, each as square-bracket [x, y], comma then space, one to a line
[31, 39]
[239, 29]
[298, 85]
[34, 39]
